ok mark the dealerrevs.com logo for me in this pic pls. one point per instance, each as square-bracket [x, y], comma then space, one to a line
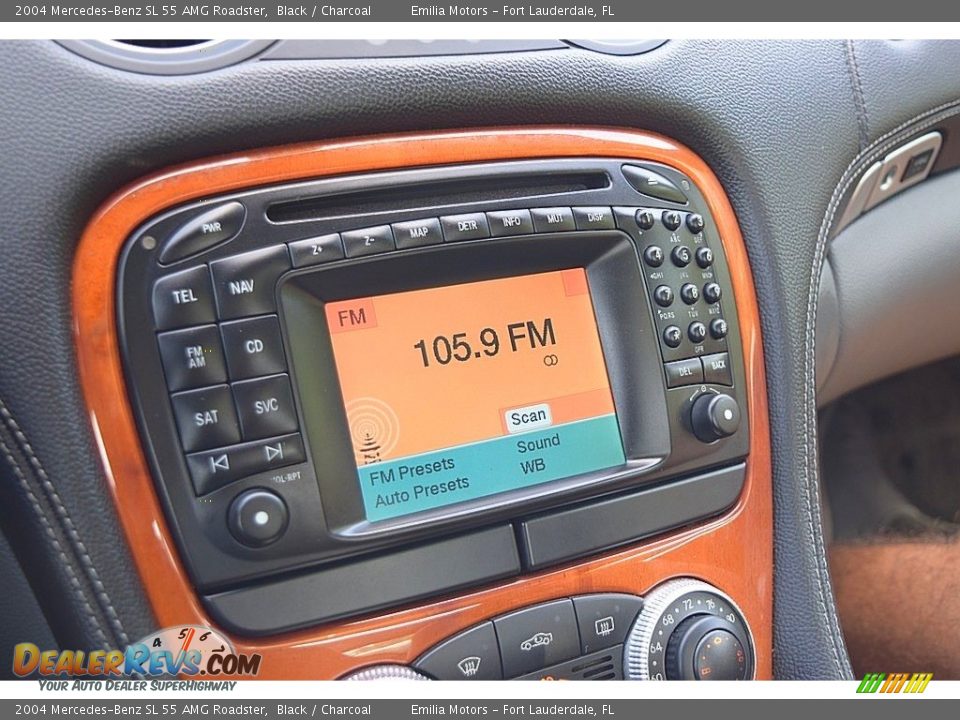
[188, 651]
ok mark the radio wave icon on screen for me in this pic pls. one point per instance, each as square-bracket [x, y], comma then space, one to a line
[374, 429]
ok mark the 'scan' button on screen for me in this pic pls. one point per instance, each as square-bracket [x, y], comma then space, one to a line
[527, 418]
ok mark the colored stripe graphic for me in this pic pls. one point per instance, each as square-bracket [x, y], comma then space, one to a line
[913, 683]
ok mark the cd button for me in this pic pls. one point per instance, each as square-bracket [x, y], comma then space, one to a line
[536, 637]
[471, 226]
[683, 372]
[368, 241]
[553, 219]
[245, 284]
[471, 655]
[253, 347]
[417, 233]
[510, 222]
[192, 357]
[184, 298]
[265, 406]
[206, 418]
[314, 251]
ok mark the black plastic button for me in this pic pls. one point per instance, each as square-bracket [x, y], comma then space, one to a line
[192, 357]
[368, 241]
[689, 293]
[206, 418]
[265, 407]
[653, 256]
[509, 222]
[536, 637]
[645, 219]
[716, 369]
[471, 655]
[697, 332]
[695, 223]
[681, 256]
[606, 664]
[672, 336]
[314, 251]
[670, 219]
[184, 298]
[712, 293]
[683, 372]
[257, 517]
[718, 328]
[704, 257]
[417, 233]
[653, 184]
[209, 228]
[212, 469]
[553, 219]
[605, 619]
[471, 226]
[253, 347]
[663, 295]
[245, 284]
[594, 218]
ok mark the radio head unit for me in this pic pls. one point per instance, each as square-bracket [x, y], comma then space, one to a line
[331, 373]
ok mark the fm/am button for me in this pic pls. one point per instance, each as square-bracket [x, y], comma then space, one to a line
[213, 469]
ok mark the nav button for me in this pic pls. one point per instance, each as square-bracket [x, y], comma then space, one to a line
[471, 655]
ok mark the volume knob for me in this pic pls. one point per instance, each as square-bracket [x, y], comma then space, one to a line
[714, 416]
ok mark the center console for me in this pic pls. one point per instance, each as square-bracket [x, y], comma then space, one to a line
[423, 380]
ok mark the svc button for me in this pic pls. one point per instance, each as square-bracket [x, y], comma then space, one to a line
[265, 407]
[605, 619]
[471, 655]
[536, 637]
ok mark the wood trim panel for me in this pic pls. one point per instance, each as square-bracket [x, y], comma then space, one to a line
[733, 552]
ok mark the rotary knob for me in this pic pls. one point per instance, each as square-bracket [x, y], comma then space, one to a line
[689, 630]
[386, 672]
[714, 416]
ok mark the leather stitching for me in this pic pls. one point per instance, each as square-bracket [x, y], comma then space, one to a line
[863, 120]
[66, 522]
[880, 147]
[49, 531]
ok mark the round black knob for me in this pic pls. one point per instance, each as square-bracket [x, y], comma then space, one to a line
[672, 336]
[671, 219]
[704, 257]
[718, 328]
[697, 332]
[695, 223]
[689, 293]
[702, 648]
[663, 295]
[257, 517]
[653, 256]
[712, 293]
[681, 256]
[714, 416]
[645, 219]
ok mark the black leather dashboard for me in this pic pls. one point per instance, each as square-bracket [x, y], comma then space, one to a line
[779, 122]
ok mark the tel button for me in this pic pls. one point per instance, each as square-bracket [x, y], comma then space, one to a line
[257, 517]
[605, 619]
[206, 418]
[536, 637]
[253, 347]
[471, 655]
[183, 298]
[265, 407]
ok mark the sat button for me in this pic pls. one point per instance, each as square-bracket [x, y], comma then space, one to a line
[471, 655]
[210, 228]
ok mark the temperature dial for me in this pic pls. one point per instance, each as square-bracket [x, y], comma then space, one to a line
[689, 630]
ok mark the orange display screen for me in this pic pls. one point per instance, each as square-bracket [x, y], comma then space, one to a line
[459, 392]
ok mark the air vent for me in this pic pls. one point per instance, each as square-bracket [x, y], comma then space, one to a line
[167, 57]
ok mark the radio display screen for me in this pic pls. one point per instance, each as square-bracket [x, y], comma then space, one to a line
[465, 391]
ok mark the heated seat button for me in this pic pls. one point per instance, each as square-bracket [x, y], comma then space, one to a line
[209, 228]
[245, 284]
[265, 407]
[192, 357]
[683, 372]
[316, 250]
[509, 222]
[716, 369]
[183, 298]
[553, 219]
[417, 233]
[368, 241]
[605, 619]
[206, 418]
[471, 655]
[471, 226]
[536, 637]
[257, 517]
[253, 347]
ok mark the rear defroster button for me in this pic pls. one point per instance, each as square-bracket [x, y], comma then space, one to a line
[257, 517]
